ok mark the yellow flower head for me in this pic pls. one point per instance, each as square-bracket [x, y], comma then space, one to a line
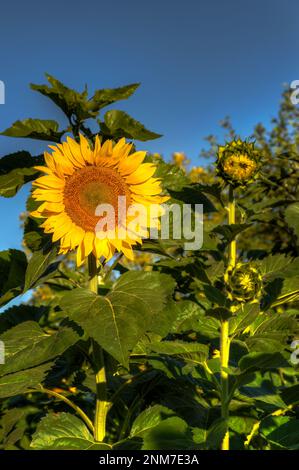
[195, 173]
[179, 159]
[78, 178]
[237, 162]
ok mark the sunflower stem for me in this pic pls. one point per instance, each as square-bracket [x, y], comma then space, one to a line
[102, 405]
[224, 335]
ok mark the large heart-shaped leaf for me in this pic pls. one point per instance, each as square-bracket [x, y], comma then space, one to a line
[119, 319]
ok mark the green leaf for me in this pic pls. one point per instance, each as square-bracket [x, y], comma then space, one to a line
[243, 318]
[215, 296]
[41, 129]
[261, 389]
[119, 124]
[64, 431]
[166, 319]
[34, 236]
[16, 170]
[27, 345]
[280, 291]
[273, 330]
[187, 318]
[70, 101]
[22, 381]
[105, 97]
[284, 436]
[290, 395]
[178, 348]
[172, 176]
[13, 426]
[171, 433]
[19, 314]
[192, 195]
[273, 264]
[119, 319]
[13, 264]
[292, 217]
[40, 266]
[148, 419]
[289, 292]
[229, 232]
[216, 434]
[241, 424]
[262, 361]
[192, 316]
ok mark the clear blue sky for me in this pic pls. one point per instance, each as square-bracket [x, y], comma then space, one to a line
[197, 60]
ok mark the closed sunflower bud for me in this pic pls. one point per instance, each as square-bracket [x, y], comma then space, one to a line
[237, 162]
[243, 282]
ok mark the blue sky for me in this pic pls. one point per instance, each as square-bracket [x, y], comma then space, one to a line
[197, 61]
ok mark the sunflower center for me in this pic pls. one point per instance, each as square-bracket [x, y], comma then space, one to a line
[239, 167]
[89, 187]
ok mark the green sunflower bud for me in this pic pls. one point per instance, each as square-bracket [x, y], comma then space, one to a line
[243, 282]
[237, 162]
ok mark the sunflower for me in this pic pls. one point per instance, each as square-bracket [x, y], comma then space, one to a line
[237, 162]
[243, 282]
[77, 179]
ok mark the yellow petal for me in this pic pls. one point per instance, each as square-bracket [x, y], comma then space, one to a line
[88, 243]
[127, 251]
[49, 196]
[148, 200]
[66, 150]
[80, 257]
[149, 188]
[142, 174]
[49, 161]
[49, 182]
[75, 150]
[131, 163]
[76, 236]
[86, 151]
[44, 169]
[61, 230]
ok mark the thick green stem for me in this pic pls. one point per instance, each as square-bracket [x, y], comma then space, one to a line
[224, 338]
[102, 405]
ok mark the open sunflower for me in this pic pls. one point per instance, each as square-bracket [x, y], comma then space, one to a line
[77, 179]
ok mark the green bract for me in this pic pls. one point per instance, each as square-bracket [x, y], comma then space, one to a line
[243, 282]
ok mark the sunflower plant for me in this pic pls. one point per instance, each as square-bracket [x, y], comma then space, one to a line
[137, 343]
